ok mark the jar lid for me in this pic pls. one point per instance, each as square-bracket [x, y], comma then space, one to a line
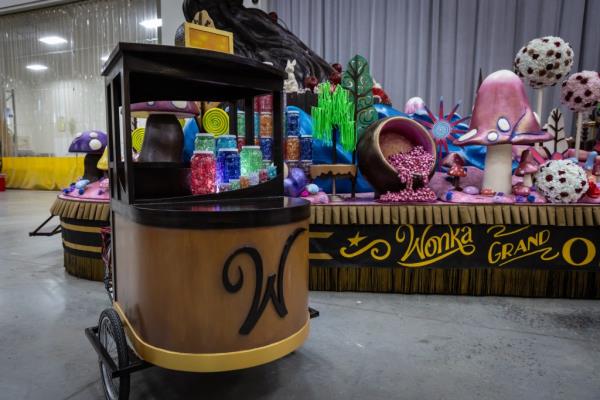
[266, 112]
[293, 112]
[307, 136]
[229, 149]
[226, 137]
[234, 180]
[205, 135]
[266, 136]
[251, 147]
[203, 152]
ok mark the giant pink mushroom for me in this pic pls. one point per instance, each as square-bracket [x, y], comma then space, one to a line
[501, 118]
[163, 136]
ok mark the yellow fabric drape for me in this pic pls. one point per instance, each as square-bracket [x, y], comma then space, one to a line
[45, 173]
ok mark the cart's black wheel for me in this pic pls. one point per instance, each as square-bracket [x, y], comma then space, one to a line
[112, 338]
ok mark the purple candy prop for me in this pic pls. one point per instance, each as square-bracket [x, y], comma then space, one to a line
[295, 182]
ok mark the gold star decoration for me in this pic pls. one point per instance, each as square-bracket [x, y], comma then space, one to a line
[356, 239]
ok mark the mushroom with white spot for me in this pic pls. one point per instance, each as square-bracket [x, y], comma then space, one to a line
[527, 167]
[501, 118]
[456, 168]
[92, 144]
[163, 136]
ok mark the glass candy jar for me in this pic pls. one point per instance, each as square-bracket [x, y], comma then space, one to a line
[203, 172]
[251, 160]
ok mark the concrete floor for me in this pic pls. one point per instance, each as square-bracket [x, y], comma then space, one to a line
[364, 346]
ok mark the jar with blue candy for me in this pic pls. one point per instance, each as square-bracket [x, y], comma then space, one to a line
[256, 124]
[224, 164]
[232, 164]
[266, 148]
[226, 142]
[306, 147]
[272, 171]
[293, 123]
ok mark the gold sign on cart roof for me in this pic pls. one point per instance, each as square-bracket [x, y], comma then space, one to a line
[202, 34]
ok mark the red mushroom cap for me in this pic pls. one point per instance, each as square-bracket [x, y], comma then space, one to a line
[521, 190]
[310, 82]
[335, 78]
[453, 159]
[528, 165]
[457, 170]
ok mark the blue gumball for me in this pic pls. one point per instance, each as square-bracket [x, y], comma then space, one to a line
[312, 188]
[82, 184]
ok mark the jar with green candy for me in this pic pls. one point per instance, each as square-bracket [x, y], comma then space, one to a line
[204, 142]
[251, 160]
[241, 123]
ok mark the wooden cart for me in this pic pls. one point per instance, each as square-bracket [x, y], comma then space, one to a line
[199, 283]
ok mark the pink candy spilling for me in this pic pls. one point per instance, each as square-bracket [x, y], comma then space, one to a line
[415, 163]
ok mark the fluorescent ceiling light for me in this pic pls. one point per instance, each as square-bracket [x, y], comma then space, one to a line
[53, 40]
[151, 23]
[104, 58]
[37, 67]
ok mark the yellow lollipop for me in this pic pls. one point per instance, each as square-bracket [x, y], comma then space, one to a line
[137, 139]
[216, 121]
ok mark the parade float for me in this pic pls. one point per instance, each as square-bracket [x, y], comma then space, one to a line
[424, 198]
[83, 209]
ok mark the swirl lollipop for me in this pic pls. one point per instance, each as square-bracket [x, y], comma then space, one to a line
[216, 121]
[581, 92]
[137, 139]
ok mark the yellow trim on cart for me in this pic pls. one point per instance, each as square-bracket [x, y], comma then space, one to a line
[213, 362]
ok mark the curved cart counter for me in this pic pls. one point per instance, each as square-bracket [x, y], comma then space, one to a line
[213, 285]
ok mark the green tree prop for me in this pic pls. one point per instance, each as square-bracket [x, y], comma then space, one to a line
[357, 80]
[334, 113]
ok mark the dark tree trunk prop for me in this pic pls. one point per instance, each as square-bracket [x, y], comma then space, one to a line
[256, 36]
[90, 167]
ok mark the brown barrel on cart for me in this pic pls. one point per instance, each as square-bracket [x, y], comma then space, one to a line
[384, 138]
[213, 286]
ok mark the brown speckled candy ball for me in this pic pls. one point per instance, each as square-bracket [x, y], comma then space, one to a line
[544, 61]
[561, 181]
[581, 91]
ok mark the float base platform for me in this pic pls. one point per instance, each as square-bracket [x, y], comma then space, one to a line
[487, 250]
[81, 223]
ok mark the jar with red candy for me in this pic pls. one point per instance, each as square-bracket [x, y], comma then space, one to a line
[203, 172]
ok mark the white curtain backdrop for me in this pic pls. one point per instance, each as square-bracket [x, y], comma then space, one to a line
[433, 48]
